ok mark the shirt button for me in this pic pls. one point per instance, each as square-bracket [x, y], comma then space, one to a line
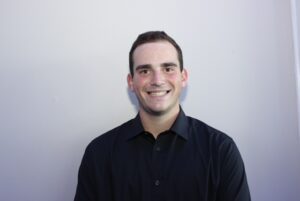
[157, 148]
[157, 183]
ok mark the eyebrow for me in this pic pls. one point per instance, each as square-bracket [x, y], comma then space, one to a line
[169, 64]
[143, 66]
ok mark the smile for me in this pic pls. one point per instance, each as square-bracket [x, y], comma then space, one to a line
[158, 93]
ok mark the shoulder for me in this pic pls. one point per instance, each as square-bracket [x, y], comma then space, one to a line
[106, 141]
[213, 143]
[217, 146]
[200, 129]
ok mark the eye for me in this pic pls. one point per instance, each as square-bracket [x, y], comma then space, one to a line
[144, 71]
[169, 69]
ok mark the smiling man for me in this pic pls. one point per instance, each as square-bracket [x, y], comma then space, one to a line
[161, 154]
[157, 79]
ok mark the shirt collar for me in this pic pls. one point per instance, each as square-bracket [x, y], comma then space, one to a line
[180, 126]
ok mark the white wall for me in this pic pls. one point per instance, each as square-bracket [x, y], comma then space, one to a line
[63, 67]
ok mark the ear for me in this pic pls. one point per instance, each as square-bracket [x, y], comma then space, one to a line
[130, 82]
[184, 77]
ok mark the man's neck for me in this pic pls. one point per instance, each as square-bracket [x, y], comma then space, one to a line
[155, 124]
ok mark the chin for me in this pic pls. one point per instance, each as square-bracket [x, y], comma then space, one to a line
[157, 111]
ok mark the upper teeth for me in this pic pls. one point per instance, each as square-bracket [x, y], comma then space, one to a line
[157, 93]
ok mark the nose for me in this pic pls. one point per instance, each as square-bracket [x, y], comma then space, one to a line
[157, 78]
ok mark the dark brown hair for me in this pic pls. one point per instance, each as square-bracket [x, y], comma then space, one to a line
[153, 36]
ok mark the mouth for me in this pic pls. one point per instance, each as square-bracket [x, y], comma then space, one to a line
[158, 93]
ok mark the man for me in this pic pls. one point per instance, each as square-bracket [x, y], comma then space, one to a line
[161, 154]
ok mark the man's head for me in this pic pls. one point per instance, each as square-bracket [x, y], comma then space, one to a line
[157, 76]
[149, 37]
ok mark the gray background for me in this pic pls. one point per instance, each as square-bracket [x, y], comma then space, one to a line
[63, 67]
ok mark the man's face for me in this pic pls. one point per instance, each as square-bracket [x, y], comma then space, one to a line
[157, 80]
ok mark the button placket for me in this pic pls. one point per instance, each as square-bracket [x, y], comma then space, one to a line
[157, 148]
[159, 163]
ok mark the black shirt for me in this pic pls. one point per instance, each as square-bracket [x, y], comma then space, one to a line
[190, 162]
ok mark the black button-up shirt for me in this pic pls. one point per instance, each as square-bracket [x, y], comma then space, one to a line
[189, 162]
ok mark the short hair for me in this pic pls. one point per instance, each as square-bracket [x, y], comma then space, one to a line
[153, 36]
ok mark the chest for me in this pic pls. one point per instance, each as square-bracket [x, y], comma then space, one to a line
[163, 171]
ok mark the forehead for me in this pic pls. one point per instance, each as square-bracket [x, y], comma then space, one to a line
[155, 52]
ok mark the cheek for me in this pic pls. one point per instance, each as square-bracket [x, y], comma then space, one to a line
[139, 83]
[175, 79]
[141, 80]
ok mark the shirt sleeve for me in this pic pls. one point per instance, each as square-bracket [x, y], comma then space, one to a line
[233, 181]
[94, 181]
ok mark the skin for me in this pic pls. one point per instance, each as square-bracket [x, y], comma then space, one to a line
[157, 83]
